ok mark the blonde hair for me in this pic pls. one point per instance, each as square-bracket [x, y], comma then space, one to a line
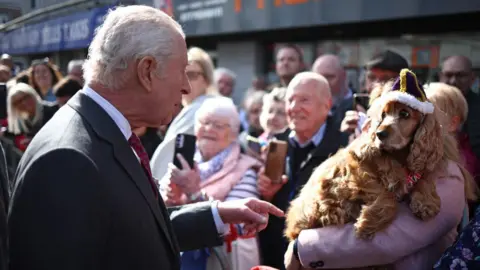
[448, 99]
[452, 153]
[451, 102]
[277, 95]
[204, 60]
[16, 121]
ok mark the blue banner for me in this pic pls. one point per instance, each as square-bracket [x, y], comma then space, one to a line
[64, 33]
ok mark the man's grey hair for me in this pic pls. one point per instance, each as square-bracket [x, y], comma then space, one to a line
[303, 77]
[219, 72]
[128, 34]
[222, 107]
[74, 64]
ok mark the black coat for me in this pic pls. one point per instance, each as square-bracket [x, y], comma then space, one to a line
[4, 202]
[273, 244]
[472, 124]
[83, 201]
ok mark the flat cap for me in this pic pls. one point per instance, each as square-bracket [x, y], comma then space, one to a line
[387, 60]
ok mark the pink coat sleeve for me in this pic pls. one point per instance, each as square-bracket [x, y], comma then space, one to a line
[338, 247]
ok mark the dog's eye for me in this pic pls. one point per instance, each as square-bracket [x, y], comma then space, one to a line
[383, 115]
[404, 114]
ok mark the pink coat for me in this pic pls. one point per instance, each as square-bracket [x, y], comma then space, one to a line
[234, 167]
[408, 242]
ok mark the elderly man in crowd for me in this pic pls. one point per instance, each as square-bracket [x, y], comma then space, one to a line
[314, 137]
[225, 81]
[75, 69]
[330, 67]
[381, 68]
[457, 71]
[85, 197]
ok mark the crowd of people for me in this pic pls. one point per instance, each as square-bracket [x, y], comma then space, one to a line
[312, 109]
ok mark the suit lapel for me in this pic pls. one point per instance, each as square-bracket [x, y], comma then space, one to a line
[327, 146]
[124, 155]
[106, 128]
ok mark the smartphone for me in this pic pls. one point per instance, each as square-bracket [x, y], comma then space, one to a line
[275, 161]
[254, 145]
[361, 99]
[185, 144]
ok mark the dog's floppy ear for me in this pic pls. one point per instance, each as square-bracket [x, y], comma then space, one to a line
[427, 146]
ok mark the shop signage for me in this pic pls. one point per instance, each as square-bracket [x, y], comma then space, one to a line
[64, 33]
[210, 17]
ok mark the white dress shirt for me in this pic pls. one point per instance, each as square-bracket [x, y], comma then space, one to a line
[126, 130]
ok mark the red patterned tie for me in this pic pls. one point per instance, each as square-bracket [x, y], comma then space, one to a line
[136, 144]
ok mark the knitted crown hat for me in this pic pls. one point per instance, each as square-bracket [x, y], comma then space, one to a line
[408, 91]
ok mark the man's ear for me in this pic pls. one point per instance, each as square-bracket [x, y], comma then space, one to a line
[146, 69]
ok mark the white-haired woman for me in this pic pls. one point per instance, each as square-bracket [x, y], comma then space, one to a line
[200, 75]
[27, 113]
[221, 172]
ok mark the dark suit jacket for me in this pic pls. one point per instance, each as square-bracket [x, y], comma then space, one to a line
[273, 244]
[49, 109]
[472, 125]
[340, 110]
[82, 201]
[4, 200]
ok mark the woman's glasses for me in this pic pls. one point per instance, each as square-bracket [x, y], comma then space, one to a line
[213, 124]
[193, 75]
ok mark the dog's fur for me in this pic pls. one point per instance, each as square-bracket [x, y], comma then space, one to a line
[364, 182]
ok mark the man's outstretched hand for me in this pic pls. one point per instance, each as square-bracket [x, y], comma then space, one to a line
[253, 213]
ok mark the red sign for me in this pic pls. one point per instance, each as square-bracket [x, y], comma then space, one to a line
[276, 3]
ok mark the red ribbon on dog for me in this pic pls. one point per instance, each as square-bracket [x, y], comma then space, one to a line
[412, 179]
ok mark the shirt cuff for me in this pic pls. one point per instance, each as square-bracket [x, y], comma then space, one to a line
[222, 228]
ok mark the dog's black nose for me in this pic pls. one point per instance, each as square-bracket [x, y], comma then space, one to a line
[383, 134]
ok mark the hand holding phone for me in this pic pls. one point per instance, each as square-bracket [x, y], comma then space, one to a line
[361, 102]
[185, 144]
[275, 160]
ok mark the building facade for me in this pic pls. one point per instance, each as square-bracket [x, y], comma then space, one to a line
[58, 29]
[9, 10]
[244, 35]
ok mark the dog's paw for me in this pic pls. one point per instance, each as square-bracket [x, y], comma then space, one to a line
[364, 232]
[424, 211]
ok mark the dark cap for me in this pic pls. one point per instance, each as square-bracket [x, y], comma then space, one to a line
[387, 60]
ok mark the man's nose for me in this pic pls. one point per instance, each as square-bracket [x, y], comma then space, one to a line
[382, 134]
[186, 88]
[452, 80]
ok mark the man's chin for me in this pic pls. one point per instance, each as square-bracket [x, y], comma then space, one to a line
[298, 125]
